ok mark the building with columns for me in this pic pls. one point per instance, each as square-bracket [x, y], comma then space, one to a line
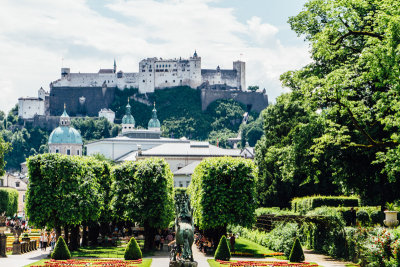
[65, 139]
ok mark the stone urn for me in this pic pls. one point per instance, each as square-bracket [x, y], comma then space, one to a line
[391, 218]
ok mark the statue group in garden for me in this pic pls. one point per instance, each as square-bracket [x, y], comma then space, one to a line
[182, 254]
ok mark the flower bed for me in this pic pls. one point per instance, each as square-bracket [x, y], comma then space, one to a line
[247, 254]
[92, 262]
[265, 263]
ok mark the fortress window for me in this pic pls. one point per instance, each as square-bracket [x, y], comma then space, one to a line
[163, 65]
[57, 151]
[143, 80]
[68, 152]
[173, 80]
[169, 66]
[166, 81]
[143, 70]
[150, 74]
[77, 152]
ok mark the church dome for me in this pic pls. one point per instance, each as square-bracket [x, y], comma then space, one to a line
[128, 118]
[65, 135]
[154, 122]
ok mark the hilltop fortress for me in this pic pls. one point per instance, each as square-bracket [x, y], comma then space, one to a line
[159, 73]
[86, 94]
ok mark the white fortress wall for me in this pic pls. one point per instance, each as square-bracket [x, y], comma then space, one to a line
[28, 107]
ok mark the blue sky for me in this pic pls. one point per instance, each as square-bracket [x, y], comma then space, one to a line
[38, 37]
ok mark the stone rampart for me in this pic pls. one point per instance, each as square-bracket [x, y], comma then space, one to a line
[255, 101]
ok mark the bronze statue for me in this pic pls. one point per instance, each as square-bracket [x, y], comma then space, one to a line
[184, 232]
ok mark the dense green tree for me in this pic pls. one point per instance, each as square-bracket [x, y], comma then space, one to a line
[354, 77]
[4, 149]
[62, 191]
[252, 132]
[8, 201]
[221, 137]
[223, 192]
[144, 193]
[286, 167]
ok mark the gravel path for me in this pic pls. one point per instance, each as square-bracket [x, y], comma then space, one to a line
[23, 259]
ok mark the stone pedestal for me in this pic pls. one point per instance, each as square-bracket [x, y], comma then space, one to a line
[3, 245]
[16, 249]
[182, 264]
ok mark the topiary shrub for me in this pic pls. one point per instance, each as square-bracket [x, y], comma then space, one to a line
[363, 217]
[132, 251]
[296, 255]
[61, 251]
[377, 217]
[222, 253]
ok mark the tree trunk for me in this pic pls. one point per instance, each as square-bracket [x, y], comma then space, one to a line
[74, 242]
[85, 234]
[149, 234]
[93, 233]
[66, 234]
[58, 232]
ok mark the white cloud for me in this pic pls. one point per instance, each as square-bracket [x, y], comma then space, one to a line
[35, 35]
[261, 32]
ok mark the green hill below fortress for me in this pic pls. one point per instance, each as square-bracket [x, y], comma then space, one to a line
[178, 109]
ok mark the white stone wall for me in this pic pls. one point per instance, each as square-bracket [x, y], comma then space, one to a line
[29, 107]
[74, 149]
[182, 180]
[218, 78]
[108, 114]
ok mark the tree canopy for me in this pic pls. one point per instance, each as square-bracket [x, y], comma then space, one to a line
[354, 79]
[223, 192]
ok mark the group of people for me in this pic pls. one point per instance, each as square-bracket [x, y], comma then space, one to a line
[46, 239]
[203, 243]
[166, 237]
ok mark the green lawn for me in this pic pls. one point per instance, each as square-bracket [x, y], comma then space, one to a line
[145, 263]
[248, 246]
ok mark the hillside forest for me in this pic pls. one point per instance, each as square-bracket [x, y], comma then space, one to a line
[178, 109]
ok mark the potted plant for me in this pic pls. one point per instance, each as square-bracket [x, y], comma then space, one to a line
[390, 216]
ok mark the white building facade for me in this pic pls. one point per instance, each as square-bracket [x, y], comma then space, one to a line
[28, 107]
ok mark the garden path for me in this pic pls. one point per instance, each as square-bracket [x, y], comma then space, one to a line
[323, 260]
[23, 259]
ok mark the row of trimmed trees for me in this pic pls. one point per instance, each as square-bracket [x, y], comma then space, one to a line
[67, 192]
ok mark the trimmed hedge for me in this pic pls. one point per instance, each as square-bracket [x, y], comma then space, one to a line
[222, 253]
[304, 204]
[8, 201]
[296, 255]
[61, 251]
[132, 251]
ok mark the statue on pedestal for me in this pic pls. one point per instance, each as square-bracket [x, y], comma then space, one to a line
[182, 255]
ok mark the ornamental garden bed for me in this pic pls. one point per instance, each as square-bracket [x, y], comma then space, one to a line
[94, 262]
[219, 263]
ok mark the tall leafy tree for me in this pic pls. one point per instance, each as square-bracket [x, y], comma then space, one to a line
[4, 148]
[62, 191]
[354, 76]
[286, 167]
[223, 192]
[144, 194]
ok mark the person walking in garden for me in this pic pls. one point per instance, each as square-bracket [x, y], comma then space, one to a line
[41, 241]
[232, 241]
[45, 240]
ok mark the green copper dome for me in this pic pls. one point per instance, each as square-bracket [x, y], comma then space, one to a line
[64, 134]
[154, 122]
[128, 118]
